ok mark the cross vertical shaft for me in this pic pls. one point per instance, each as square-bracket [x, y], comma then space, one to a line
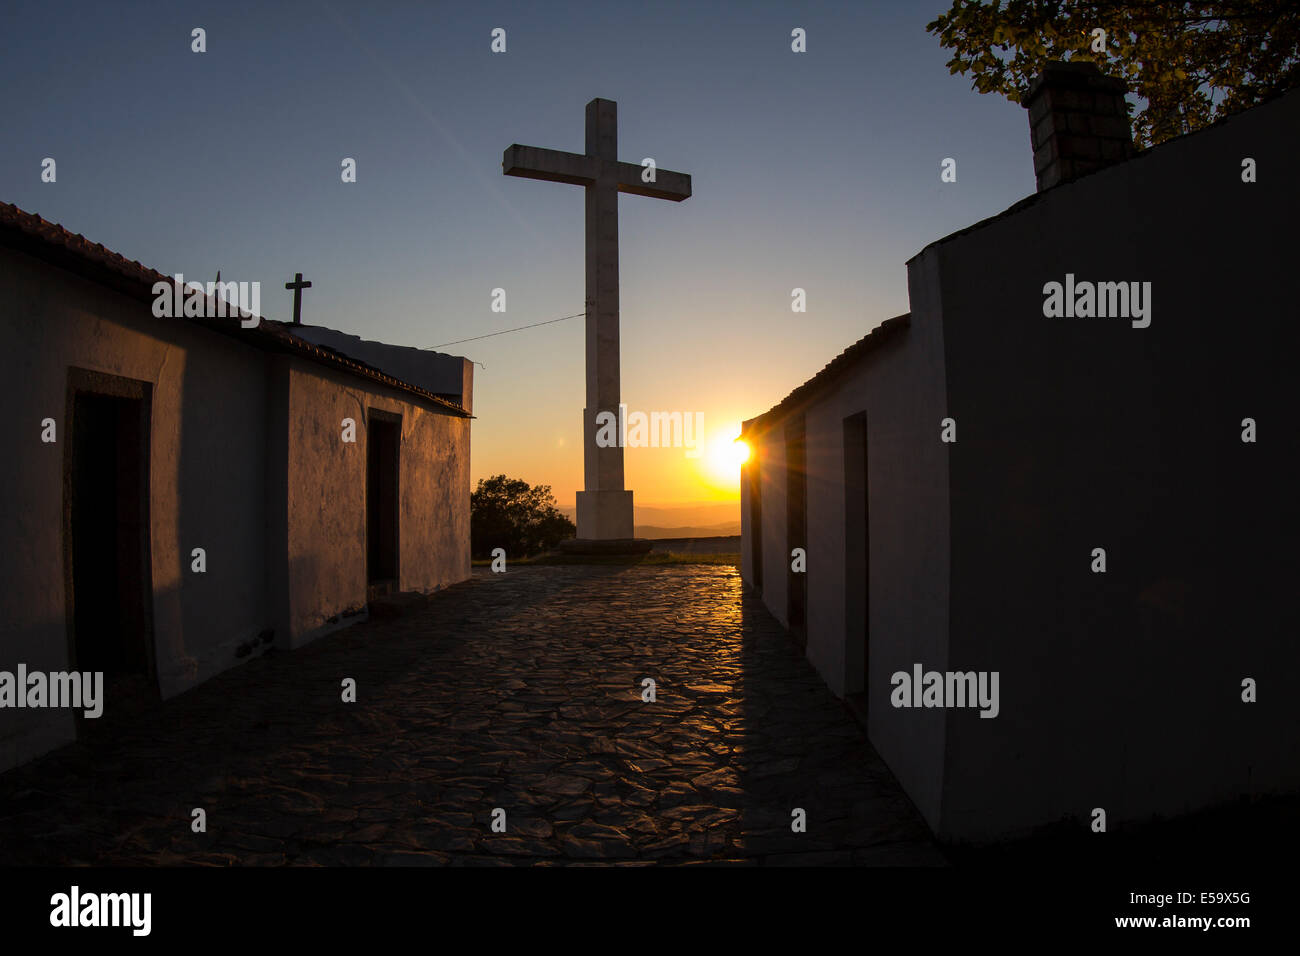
[602, 467]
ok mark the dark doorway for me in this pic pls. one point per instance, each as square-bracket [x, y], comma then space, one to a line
[109, 579]
[796, 526]
[857, 561]
[383, 443]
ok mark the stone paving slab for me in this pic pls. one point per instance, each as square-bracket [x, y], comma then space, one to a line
[520, 691]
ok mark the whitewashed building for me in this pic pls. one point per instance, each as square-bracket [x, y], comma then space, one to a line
[960, 477]
[179, 494]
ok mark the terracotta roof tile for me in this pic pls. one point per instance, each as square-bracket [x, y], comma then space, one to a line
[843, 362]
[49, 241]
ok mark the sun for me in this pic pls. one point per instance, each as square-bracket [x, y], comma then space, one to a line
[736, 453]
[723, 458]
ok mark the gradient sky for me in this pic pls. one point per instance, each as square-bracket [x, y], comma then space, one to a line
[818, 170]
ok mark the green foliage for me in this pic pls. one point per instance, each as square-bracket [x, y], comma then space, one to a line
[1191, 62]
[507, 513]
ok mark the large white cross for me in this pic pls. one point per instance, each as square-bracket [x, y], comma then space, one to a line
[605, 507]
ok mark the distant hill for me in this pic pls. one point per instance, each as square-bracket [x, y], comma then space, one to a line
[729, 529]
[702, 520]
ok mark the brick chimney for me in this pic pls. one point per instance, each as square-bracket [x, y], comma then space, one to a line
[1078, 122]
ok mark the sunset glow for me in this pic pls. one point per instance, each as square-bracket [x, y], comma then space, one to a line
[720, 464]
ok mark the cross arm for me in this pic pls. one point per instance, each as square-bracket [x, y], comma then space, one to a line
[667, 184]
[552, 165]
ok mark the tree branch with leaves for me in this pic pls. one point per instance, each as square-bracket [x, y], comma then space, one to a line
[1191, 63]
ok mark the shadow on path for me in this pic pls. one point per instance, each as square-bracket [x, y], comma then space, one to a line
[519, 691]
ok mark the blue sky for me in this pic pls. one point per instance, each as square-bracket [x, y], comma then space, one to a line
[818, 170]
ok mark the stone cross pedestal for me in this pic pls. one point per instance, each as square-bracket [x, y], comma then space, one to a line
[605, 507]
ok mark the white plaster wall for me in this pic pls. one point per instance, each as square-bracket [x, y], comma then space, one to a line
[51, 320]
[901, 388]
[326, 514]
[1122, 690]
[776, 555]
[746, 525]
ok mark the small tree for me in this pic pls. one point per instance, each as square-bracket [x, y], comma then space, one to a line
[508, 513]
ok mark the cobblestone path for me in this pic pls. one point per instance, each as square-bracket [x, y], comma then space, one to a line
[519, 690]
